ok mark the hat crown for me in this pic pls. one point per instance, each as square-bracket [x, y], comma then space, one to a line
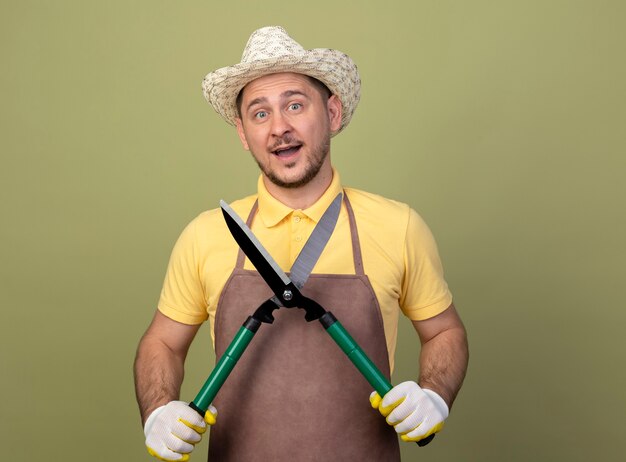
[270, 43]
[270, 50]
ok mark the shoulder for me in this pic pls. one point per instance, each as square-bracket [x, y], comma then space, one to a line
[208, 232]
[212, 219]
[370, 207]
[388, 216]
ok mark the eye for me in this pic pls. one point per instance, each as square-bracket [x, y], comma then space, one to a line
[260, 115]
[294, 106]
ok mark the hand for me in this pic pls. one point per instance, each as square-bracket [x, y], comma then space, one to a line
[414, 412]
[173, 430]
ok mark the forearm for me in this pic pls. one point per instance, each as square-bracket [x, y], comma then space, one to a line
[443, 363]
[159, 374]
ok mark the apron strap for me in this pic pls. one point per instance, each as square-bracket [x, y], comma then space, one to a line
[354, 234]
[241, 257]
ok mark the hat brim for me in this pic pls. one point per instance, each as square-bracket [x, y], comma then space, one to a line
[335, 69]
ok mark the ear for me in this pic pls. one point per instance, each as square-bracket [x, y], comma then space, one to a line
[335, 109]
[241, 133]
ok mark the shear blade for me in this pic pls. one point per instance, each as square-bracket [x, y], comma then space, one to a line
[269, 270]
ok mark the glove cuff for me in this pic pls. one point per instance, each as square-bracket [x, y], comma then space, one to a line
[439, 402]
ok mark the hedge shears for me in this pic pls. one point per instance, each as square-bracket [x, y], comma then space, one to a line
[286, 294]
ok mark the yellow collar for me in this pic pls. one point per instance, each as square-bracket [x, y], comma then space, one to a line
[272, 211]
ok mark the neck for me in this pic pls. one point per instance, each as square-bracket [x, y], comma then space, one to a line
[304, 196]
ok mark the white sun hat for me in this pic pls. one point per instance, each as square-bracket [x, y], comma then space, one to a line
[271, 50]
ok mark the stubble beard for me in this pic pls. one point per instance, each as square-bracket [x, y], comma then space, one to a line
[319, 153]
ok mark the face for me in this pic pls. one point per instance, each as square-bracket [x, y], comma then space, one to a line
[286, 124]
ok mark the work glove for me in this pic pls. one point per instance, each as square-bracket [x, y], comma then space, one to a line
[414, 412]
[173, 430]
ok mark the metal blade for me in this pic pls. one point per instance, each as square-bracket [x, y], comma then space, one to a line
[269, 270]
[310, 253]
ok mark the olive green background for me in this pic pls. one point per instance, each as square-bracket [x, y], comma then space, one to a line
[502, 123]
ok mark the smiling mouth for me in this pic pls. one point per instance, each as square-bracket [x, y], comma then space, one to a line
[287, 151]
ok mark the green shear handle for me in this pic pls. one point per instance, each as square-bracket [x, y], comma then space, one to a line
[224, 366]
[358, 357]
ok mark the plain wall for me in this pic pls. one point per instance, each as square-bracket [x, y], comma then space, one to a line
[502, 123]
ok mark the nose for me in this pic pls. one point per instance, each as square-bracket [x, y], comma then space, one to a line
[280, 124]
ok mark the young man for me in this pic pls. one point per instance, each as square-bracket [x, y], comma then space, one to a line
[294, 395]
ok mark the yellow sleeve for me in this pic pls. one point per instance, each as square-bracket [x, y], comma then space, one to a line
[425, 292]
[182, 297]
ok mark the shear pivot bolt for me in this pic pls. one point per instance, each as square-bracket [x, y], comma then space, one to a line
[287, 295]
